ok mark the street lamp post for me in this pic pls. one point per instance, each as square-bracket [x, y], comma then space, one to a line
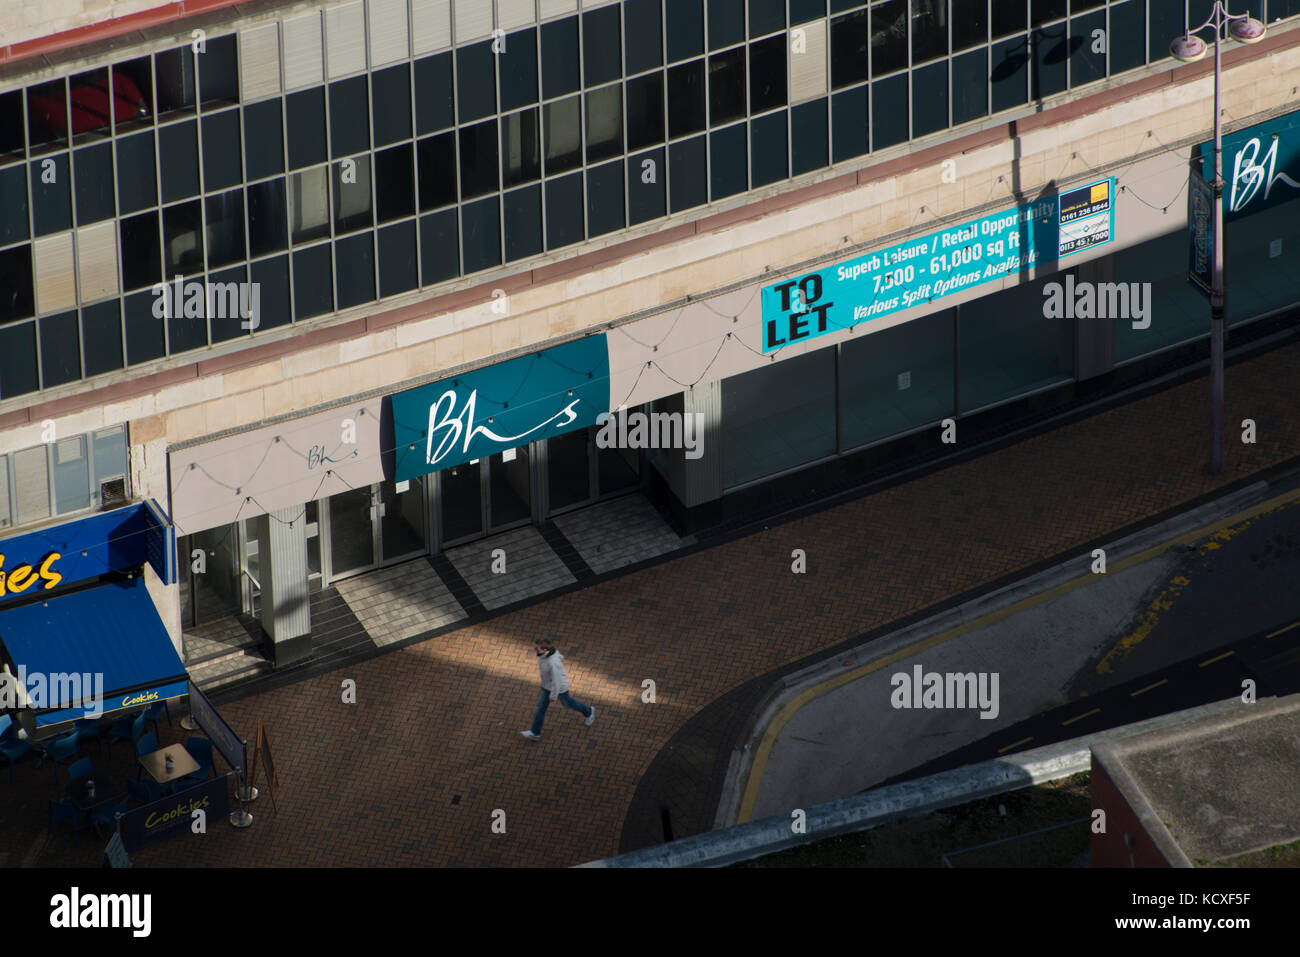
[1189, 48]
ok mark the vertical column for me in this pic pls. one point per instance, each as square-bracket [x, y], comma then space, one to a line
[1094, 339]
[286, 609]
[695, 474]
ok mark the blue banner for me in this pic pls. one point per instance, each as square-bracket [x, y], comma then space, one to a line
[940, 264]
[1200, 234]
[1261, 165]
[501, 407]
[173, 815]
[221, 735]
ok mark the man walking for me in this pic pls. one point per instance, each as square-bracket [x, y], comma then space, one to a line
[555, 684]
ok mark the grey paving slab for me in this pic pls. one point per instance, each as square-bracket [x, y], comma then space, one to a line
[531, 567]
[619, 532]
[396, 603]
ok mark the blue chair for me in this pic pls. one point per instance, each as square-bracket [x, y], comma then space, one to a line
[147, 744]
[89, 728]
[13, 748]
[64, 811]
[128, 729]
[200, 750]
[105, 814]
[154, 711]
[7, 727]
[61, 750]
[81, 769]
[146, 792]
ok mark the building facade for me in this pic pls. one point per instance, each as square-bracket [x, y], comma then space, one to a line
[339, 284]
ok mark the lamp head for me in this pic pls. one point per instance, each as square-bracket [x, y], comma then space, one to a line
[1246, 30]
[1188, 48]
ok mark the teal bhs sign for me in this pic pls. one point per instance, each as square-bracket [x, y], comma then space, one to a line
[475, 415]
[934, 266]
[1261, 165]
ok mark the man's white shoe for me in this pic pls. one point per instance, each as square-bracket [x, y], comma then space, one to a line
[591, 717]
[530, 736]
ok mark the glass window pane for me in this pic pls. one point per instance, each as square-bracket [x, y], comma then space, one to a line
[353, 207]
[1044, 11]
[272, 278]
[93, 166]
[439, 247]
[174, 74]
[801, 11]
[19, 301]
[808, 136]
[31, 469]
[481, 235]
[1051, 60]
[646, 197]
[602, 51]
[221, 151]
[6, 516]
[766, 16]
[1010, 73]
[109, 449]
[17, 359]
[848, 124]
[141, 250]
[182, 239]
[354, 265]
[645, 111]
[394, 183]
[929, 98]
[768, 149]
[267, 222]
[218, 66]
[1263, 276]
[1008, 349]
[235, 305]
[685, 28]
[523, 221]
[60, 350]
[225, 228]
[888, 37]
[309, 205]
[390, 95]
[970, 98]
[562, 126]
[767, 86]
[1167, 20]
[521, 157]
[476, 81]
[970, 25]
[305, 117]
[727, 86]
[1008, 17]
[849, 49]
[187, 328]
[144, 332]
[605, 199]
[1127, 36]
[564, 211]
[604, 123]
[688, 174]
[897, 379]
[51, 205]
[889, 111]
[560, 57]
[730, 164]
[313, 282]
[777, 417]
[399, 270]
[349, 117]
[264, 148]
[101, 337]
[436, 156]
[686, 98]
[1085, 65]
[433, 86]
[13, 204]
[178, 149]
[137, 182]
[726, 22]
[132, 94]
[518, 64]
[478, 159]
[90, 106]
[642, 35]
[47, 116]
[929, 29]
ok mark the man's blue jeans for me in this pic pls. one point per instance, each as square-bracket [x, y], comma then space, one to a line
[544, 701]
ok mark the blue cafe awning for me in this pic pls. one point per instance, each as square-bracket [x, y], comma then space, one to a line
[112, 631]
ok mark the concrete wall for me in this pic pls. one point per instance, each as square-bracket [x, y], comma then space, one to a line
[1112, 849]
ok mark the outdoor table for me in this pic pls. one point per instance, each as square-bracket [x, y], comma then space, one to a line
[107, 791]
[182, 763]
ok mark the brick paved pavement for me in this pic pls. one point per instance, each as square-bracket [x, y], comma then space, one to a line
[412, 773]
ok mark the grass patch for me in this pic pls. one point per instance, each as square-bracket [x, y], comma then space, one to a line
[922, 841]
[1283, 855]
